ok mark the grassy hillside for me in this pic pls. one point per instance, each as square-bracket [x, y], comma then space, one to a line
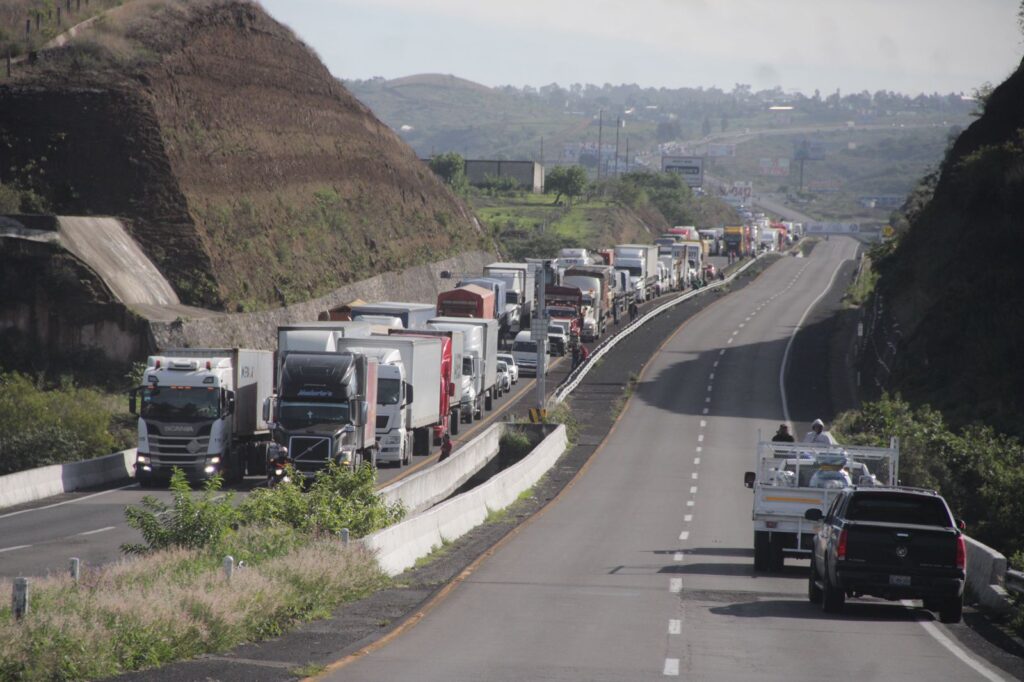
[953, 280]
[249, 175]
[43, 22]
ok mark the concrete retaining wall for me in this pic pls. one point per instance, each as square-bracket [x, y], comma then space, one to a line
[429, 486]
[399, 546]
[986, 571]
[36, 484]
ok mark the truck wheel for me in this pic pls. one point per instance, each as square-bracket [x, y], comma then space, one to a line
[454, 421]
[832, 598]
[421, 441]
[813, 591]
[489, 401]
[257, 464]
[762, 549]
[952, 611]
[778, 558]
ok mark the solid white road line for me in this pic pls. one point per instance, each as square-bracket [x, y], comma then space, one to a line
[675, 626]
[98, 530]
[61, 504]
[671, 667]
[939, 636]
[11, 549]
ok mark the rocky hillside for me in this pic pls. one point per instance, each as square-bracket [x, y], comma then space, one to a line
[954, 282]
[248, 173]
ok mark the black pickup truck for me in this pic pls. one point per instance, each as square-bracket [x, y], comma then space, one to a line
[893, 543]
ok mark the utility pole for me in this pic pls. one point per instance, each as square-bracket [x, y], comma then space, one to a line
[618, 124]
[542, 150]
[627, 153]
[539, 331]
[600, 130]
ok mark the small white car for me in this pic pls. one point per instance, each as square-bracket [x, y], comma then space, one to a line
[513, 368]
[504, 377]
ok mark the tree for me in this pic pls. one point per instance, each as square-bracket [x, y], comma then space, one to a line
[567, 180]
[451, 168]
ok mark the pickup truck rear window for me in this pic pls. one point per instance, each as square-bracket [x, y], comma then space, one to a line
[915, 509]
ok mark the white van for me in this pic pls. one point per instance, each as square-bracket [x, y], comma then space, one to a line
[524, 350]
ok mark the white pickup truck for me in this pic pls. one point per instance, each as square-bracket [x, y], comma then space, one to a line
[791, 478]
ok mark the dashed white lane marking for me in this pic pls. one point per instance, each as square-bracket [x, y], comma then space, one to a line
[708, 399]
[671, 667]
[703, 423]
[715, 364]
[748, 317]
[685, 535]
[687, 518]
[98, 530]
[678, 556]
[694, 475]
[939, 636]
[689, 503]
[705, 411]
[721, 352]
[675, 585]
[11, 549]
[696, 460]
[711, 377]
[693, 489]
[730, 340]
[742, 325]
[675, 626]
[710, 388]
[699, 449]
[700, 438]
[77, 499]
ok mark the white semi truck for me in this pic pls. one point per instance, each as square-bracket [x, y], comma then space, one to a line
[201, 412]
[408, 392]
[791, 478]
[641, 260]
[520, 292]
[481, 347]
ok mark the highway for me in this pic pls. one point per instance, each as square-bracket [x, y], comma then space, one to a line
[643, 568]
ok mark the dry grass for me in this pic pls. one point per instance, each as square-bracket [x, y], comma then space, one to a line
[173, 605]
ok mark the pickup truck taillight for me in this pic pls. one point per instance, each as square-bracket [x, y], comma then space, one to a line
[961, 553]
[841, 547]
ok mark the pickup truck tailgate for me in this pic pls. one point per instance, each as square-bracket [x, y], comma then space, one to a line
[901, 547]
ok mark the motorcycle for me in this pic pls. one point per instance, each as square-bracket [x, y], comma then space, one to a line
[278, 466]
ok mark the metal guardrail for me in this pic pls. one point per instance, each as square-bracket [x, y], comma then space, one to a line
[1015, 582]
[570, 383]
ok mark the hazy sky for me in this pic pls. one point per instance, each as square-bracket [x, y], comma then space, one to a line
[904, 45]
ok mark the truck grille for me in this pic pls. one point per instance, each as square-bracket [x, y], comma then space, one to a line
[185, 447]
[309, 449]
[382, 422]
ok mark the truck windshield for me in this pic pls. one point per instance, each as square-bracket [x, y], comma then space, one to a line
[180, 403]
[525, 346]
[389, 391]
[300, 415]
[635, 270]
[916, 509]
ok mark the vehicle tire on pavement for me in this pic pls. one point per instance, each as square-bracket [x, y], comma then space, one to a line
[453, 423]
[813, 591]
[832, 598]
[762, 549]
[489, 402]
[952, 611]
[777, 557]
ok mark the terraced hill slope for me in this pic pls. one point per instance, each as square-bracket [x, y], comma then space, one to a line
[246, 172]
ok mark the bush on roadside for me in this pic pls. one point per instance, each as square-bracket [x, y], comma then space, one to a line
[514, 443]
[40, 427]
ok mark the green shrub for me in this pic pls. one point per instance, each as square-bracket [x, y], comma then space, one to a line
[514, 443]
[41, 427]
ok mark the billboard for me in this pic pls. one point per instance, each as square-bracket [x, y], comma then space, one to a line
[774, 166]
[737, 194]
[690, 167]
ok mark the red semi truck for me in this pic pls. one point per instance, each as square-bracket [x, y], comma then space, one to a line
[466, 301]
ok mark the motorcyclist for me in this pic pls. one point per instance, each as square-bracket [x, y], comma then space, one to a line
[818, 434]
[279, 461]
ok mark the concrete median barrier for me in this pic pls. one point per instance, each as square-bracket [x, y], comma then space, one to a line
[426, 488]
[399, 546]
[986, 571]
[37, 484]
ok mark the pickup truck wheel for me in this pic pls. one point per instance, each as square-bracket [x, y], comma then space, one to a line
[832, 598]
[762, 549]
[952, 611]
[813, 591]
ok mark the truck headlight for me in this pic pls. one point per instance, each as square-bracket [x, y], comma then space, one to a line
[391, 440]
[213, 460]
[141, 459]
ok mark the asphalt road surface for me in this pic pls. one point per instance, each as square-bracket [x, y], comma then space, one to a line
[643, 568]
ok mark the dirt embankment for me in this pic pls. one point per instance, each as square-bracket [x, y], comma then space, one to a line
[247, 172]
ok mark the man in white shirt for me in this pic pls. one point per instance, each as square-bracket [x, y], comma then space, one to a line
[818, 434]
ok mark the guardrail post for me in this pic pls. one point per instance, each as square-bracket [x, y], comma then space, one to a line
[229, 567]
[343, 534]
[74, 568]
[19, 598]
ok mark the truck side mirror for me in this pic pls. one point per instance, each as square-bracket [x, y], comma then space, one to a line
[813, 514]
[133, 406]
[358, 411]
[961, 524]
[229, 402]
[409, 393]
[266, 408]
[748, 479]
